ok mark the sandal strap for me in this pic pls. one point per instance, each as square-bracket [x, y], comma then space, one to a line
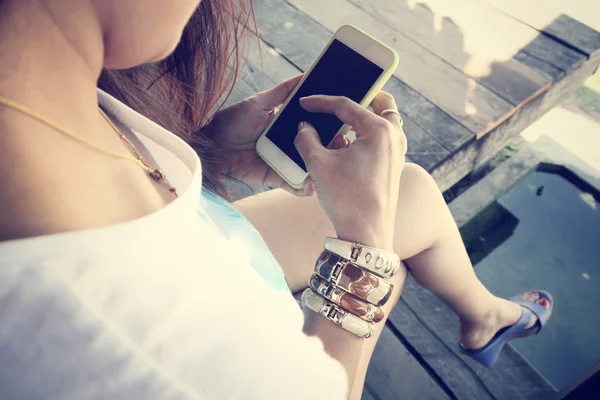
[488, 354]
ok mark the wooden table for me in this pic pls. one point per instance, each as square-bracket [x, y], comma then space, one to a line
[472, 75]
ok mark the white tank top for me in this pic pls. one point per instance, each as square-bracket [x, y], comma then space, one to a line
[167, 306]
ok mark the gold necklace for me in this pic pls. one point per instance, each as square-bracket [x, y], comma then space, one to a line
[154, 173]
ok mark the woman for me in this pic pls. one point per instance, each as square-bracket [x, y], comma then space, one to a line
[118, 279]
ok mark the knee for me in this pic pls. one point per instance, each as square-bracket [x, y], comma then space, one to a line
[414, 177]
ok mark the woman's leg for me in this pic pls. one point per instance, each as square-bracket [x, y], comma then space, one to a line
[426, 237]
[294, 227]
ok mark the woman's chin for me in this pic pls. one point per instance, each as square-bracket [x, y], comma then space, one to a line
[133, 58]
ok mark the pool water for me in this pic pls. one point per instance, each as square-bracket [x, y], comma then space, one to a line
[544, 233]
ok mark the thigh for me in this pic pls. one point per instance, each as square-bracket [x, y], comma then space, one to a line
[294, 227]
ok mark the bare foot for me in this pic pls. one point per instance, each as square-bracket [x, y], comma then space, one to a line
[503, 314]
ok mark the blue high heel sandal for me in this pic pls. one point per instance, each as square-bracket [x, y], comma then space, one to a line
[488, 354]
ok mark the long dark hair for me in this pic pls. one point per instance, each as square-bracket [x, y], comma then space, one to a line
[182, 91]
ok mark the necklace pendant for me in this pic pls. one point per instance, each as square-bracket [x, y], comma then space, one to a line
[157, 175]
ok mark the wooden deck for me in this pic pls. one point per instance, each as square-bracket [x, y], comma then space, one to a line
[472, 75]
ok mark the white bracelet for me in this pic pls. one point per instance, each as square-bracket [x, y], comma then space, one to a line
[336, 314]
[380, 262]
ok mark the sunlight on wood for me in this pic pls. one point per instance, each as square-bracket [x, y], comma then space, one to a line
[586, 11]
[412, 3]
[408, 32]
[488, 36]
[575, 132]
[536, 13]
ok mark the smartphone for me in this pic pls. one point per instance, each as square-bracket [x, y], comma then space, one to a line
[354, 65]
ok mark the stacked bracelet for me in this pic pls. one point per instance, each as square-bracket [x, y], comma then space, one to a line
[379, 262]
[353, 279]
[349, 285]
[367, 311]
[337, 315]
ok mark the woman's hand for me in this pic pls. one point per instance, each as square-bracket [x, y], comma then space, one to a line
[357, 186]
[237, 128]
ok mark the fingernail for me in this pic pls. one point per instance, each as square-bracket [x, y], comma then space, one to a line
[300, 127]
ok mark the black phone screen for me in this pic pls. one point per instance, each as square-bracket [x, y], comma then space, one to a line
[340, 72]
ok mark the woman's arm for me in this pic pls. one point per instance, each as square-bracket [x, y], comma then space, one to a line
[352, 352]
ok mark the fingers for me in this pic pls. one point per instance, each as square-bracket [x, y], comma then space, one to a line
[274, 180]
[349, 112]
[307, 190]
[340, 142]
[308, 143]
[385, 101]
[346, 110]
[277, 95]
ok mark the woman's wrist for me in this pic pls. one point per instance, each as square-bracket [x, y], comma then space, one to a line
[379, 238]
[351, 284]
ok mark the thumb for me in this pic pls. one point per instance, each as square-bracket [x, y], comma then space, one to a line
[308, 143]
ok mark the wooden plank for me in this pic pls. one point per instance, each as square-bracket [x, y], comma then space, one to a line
[419, 114]
[553, 52]
[394, 373]
[510, 378]
[469, 102]
[585, 11]
[445, 129]
[241, 90]
[550, 19]
[290, 32]
[464, 161]
[302, 41]
[422, 148]
[461, 34]
[538, 47]
[450, 369]
[542, 67]
[266, 67]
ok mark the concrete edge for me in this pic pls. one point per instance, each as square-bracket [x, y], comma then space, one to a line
[490, 188]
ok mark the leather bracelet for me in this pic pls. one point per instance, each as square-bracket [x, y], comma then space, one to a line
[353, 279]
[348, 302]
[336, 314]
[379, 262]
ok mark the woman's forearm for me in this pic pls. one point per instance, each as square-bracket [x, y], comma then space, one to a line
[352, 352]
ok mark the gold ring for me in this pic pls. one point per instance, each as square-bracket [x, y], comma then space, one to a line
[393, 111]
[389, 111]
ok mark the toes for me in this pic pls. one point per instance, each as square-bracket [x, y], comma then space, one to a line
[535, 297]
[531, 296]
[544, 303]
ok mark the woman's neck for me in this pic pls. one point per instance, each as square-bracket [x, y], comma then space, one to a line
[52, 54]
